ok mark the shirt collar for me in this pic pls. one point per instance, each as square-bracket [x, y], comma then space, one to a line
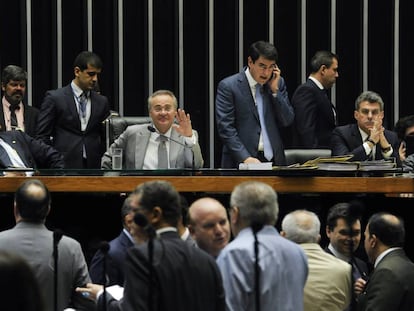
[77, 90]
[317, 82]
[250, 79]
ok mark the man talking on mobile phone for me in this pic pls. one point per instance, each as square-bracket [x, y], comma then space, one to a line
[251, 107]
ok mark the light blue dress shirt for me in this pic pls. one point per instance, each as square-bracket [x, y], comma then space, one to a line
[283, 272]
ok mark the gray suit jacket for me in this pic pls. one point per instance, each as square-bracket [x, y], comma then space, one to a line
[134, 141]
[34, 242]
[238, 121]
[391, 285]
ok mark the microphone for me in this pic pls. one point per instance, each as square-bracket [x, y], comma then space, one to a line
[153, 130]
[104, 249]
[142, 221]
[57, 236]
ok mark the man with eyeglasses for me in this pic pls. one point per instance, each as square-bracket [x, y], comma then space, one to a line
[367, 139]
[169, 142]
[71, 117]
[251, 108]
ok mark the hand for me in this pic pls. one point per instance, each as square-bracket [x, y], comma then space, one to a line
[359, 286]
[90, 291]
[401, 151]
[184, 123]
[274, 81]
[377, 131]
[251, 160]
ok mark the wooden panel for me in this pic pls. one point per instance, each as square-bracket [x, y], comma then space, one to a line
[220, 184]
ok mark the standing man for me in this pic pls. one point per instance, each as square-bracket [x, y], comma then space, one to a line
[343, 229]
[260, 268]
[35, 243]
[165, 273]
[329, 283]
[367, 139]
[209, 225]
[71, 117]
[315, 115]
[115, 258]
[14, 114]
[391, 284]
[141, 143]
[251, 107]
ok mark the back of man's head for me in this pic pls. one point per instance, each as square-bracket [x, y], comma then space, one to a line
[257, 203]
[388, 228]
[32, 201]
[160, 194]
[301, 226]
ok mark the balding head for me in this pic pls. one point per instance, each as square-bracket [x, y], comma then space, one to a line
[301, 226]
[209, 225]
[32, 201]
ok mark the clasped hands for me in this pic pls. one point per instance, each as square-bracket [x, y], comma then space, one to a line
[376, 134]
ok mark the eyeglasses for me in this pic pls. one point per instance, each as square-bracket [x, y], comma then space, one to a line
[366, 112]
[266, 68]
[166, 108]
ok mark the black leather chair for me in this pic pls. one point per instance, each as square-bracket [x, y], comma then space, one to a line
[302, 155]
[115, 125]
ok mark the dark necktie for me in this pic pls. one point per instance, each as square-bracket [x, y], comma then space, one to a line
[83, 99]
[13, 119]
[267, 147]
[162, 152]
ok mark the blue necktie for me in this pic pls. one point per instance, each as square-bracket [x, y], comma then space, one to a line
[83, 99]
[267, 147]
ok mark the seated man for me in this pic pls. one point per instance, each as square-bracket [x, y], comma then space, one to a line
[163, 144]
[367, 139]
[19, 150]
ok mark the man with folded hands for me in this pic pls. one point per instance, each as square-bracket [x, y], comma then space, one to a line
[367, 139]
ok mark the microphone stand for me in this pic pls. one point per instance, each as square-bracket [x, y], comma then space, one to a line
[256, 227]
[57, 235]
[153, 130]
[142, 221]
[104, 249]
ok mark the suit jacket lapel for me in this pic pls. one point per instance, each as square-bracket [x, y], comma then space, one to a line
[245, 91]
[142, 138]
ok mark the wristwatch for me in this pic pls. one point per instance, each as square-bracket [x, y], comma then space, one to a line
[386, 149]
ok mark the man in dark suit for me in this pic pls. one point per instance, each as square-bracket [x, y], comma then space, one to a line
[249, 121]
[343, 229]
[115, 258]
[391, 284]
[71, 117]
[367, 139]
[14, 114]
[315, 116]
[35, 243]
[179, 276]
[19, 150]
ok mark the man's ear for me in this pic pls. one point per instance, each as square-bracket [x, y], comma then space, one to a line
[156, 215]
[234, 214]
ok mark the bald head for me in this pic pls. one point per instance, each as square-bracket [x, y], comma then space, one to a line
[209, 225]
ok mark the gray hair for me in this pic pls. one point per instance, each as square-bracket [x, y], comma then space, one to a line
[370, 97]
[302, 226]
[257, 203]
[162, 92]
